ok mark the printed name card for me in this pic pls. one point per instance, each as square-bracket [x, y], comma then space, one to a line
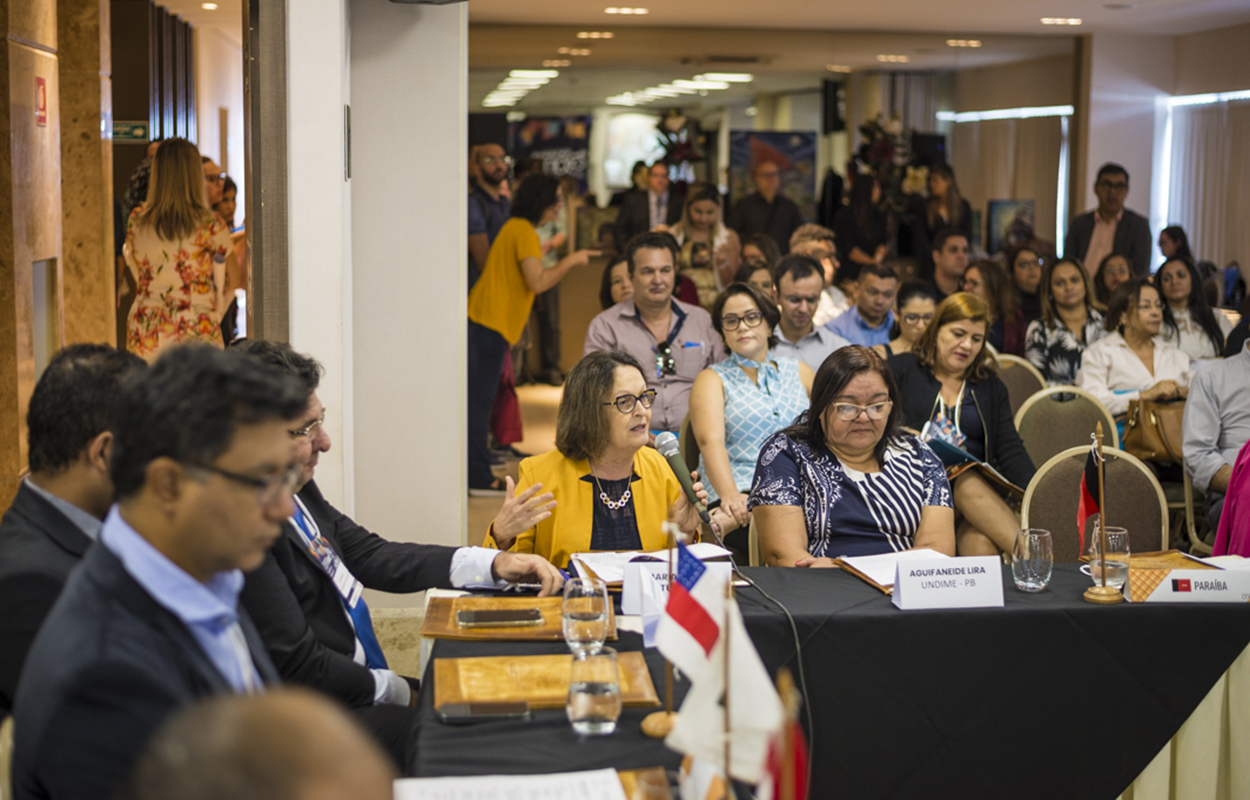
[1200, 586]
[632, 589]
[970, 582]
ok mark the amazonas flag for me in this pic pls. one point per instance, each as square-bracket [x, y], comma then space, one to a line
[694, 615]
[1089, 485]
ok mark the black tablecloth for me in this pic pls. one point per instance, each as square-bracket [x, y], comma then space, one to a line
[1050, 697]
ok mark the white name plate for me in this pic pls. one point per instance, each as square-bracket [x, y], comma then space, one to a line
[631, 585]
[970, 582]
[1201, 586]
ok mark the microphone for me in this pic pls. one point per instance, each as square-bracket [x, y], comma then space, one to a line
[666, 443]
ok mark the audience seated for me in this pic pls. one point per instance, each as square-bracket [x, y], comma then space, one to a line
[1132, 361]
[615, 285]
[1173, 243]
[766, 210]
[860, 228]
[871, 319]
[603, 487]
[305, 598]
[759, 250]
[845, 479]
[1191, 324]
[799, 281]
[950, 261]
[1024, 266]
[944, 208]
[1110, 228]
[737, 404]
[759, 277]
[675, 340]
[818, 242]
[1113, 270]
[655, 208]
[950, 392]
[1216, 427]
[288, 744]
[1069, 323]
[701, 221]
[59, 506]
[988, 281]
[915, 310]
[149, 623]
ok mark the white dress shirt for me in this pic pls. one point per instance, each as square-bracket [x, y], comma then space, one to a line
[1113, 373]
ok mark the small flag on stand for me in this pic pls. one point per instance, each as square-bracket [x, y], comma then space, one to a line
[1089, 491]
[691, 625]
[785, 773]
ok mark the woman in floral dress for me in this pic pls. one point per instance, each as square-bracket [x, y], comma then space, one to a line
[179, 253]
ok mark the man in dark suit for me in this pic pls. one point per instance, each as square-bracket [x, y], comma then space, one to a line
[58, 509]
[1110, 228]
[305, 597]
[148, 623]
[645, 211]
[767, 209]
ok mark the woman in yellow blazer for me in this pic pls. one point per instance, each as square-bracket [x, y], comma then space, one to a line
[605, 488]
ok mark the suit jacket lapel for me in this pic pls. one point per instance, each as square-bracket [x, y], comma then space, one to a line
[58, 527]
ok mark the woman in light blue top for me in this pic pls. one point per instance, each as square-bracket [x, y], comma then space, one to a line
[737, 404]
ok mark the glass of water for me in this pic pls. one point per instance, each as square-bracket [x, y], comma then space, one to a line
[1117, 557]
[585, 614]
[594, 701]
[1032, 559]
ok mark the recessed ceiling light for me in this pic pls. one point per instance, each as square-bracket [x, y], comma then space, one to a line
[891, 59]
[583, 52]
[726, 77]
[533, 73]
[837, 67]
[562, 50]
[963, 42]
[615, 10]
[595, 34]
[557, 62]
[1061, 21]
[701, 85]
[208, 6]
[752, 111]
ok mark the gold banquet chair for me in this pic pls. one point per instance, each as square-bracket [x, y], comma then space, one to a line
[1021, 377]
[1059, 417]
[1135, 501]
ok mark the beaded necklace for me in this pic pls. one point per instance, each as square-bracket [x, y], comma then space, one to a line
[615, 505]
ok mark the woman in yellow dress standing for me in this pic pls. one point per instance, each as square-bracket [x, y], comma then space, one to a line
[179, 253]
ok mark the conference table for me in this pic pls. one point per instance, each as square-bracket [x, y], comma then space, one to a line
[1046, 697]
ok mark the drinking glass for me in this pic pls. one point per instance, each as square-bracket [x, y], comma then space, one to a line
[1032, 559]
[1117, 557]
[585, 613]
[594, 692]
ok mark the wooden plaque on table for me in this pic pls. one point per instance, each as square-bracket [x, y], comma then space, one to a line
[541, 681]
[440, 619]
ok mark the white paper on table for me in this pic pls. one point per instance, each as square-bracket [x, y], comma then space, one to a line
[610, 566]
[602, 784]
[654, 597]
[1221, 562]
[881, 568]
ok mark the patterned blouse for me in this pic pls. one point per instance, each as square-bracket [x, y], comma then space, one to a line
[753, 412]
[851, 513]
[176, 300]
[1056, 351]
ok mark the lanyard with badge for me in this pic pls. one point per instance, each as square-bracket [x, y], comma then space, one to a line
[942, 425]
[344, 582]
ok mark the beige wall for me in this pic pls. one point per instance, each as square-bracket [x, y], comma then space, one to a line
[1041, 82]
[219, 85]
[1213, 61]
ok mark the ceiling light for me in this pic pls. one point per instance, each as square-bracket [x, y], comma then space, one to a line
[963, 42]
[889, 59]
[679, 89]
[208, 6]
[516, 116]
[615, 10]
[837, 67]
[752, 111]
[698, 84]
[563, 50]
[595, 34]
[583, 52]
[726, 77]
[557, 62]
[534, 73]
[1061, 21]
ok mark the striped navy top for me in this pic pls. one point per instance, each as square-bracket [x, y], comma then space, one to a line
[850, 513]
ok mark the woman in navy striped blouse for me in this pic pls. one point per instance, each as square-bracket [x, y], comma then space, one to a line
[845, 480]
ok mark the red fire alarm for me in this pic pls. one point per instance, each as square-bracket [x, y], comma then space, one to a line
[41, 101]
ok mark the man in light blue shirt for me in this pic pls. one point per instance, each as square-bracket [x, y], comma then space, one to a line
[869, 321]
[799, 281]
[1216, 426]
[149, 622]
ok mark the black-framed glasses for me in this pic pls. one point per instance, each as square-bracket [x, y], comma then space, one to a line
[309, 430]
[625, 402]
[849, 411]
[1118, 186]
[912, 319]
[665, 364]
[268, 490]
[751, 319]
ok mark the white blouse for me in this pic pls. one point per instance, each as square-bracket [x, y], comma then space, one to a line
[1191, 338]
[1113, 373]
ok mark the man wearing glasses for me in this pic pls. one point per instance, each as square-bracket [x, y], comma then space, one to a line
[1110, 228]
[306, 596]
[489, 207]
[674, 341]
[149, 622]
[767, 209]
[214, 181]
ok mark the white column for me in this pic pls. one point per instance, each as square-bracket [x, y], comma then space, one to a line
[319, 203]
[409, 68]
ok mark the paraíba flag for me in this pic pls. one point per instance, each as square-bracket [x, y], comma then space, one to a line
[1089, 486]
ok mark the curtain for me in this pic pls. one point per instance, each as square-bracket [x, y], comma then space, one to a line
[1010, 159]
[1210, 170]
